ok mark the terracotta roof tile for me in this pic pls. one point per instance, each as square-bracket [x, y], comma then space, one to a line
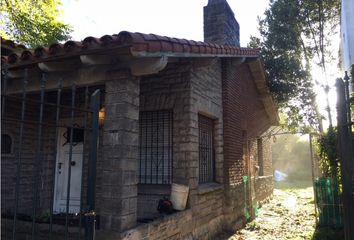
[12, 44]
[72, 46]
[138, 43]
[26, 55]
[41, 52]
[55, 49]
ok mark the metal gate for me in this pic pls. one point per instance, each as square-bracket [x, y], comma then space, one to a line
[32, 120]
[345, 103]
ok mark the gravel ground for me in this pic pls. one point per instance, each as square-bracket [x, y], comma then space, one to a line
[290, 214]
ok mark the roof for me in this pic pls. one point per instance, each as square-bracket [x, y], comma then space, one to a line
[138, 44]
[8, 47]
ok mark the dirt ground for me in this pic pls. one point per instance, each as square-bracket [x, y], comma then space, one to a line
[290, 214]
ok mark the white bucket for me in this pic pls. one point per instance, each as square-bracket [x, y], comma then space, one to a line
[179, 195]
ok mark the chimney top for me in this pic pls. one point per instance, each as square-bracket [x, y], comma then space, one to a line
[220, 25]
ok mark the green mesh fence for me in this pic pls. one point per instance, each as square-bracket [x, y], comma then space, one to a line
[246, 210]
[328, 201]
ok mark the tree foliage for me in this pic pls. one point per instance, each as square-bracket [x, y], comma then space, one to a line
[32, 22]
[294, 36]
[327, 151]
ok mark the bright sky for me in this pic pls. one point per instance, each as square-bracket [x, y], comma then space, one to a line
[172, 18]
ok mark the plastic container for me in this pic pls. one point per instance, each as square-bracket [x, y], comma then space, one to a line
[179, 196]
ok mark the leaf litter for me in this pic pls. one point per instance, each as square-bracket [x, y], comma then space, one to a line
[290, 214]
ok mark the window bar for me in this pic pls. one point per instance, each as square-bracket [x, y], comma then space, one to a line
[208, 143]
[83, 160]
[38, 161]
[55, 154]
[91, 179]
[163, 146]
[80, 109]
[146, 147]
[140, 147]
[19, 160]
[200, 153]
[157, 147]
[4, 86]
[205, 153]
[73, 92]
[206, 150]
[151, 145]
[170, 148]
[210, 150]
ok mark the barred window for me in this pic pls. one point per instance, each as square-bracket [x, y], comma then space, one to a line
[155, 166]
[206, 150]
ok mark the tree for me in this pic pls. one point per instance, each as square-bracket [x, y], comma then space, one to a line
[32, 22]
[293, 33]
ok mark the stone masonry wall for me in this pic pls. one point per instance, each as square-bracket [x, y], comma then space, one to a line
[117, 203]
[189, 92]
[207, 199]
[220, 25]
[169, 90]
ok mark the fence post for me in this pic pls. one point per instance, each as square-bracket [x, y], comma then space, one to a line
[346, 158]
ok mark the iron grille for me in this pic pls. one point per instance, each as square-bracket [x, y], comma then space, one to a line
[35, 118]
[155, 147]
[206, 150]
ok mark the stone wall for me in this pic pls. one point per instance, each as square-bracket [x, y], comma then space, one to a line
[264, 186]
[169, 90]
[189, 91]
[220, 25]
[175, 227]
[117, 175]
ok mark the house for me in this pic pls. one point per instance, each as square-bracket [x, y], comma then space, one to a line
[102, 128]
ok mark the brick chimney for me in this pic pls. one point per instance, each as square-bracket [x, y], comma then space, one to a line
[220, 25]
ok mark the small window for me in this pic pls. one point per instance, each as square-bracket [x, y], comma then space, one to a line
[155, 150]
[78, 135]
[206, 150]
[6, 144]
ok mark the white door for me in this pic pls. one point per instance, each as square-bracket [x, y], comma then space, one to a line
[62, 174]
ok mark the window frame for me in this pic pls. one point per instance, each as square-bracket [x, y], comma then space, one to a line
[206, 149]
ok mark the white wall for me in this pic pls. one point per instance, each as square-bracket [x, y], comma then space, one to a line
[347, 34]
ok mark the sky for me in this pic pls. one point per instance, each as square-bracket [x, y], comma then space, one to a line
[172, 18]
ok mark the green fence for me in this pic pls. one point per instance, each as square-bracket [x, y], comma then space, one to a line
[329, 203]
[247, 208]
